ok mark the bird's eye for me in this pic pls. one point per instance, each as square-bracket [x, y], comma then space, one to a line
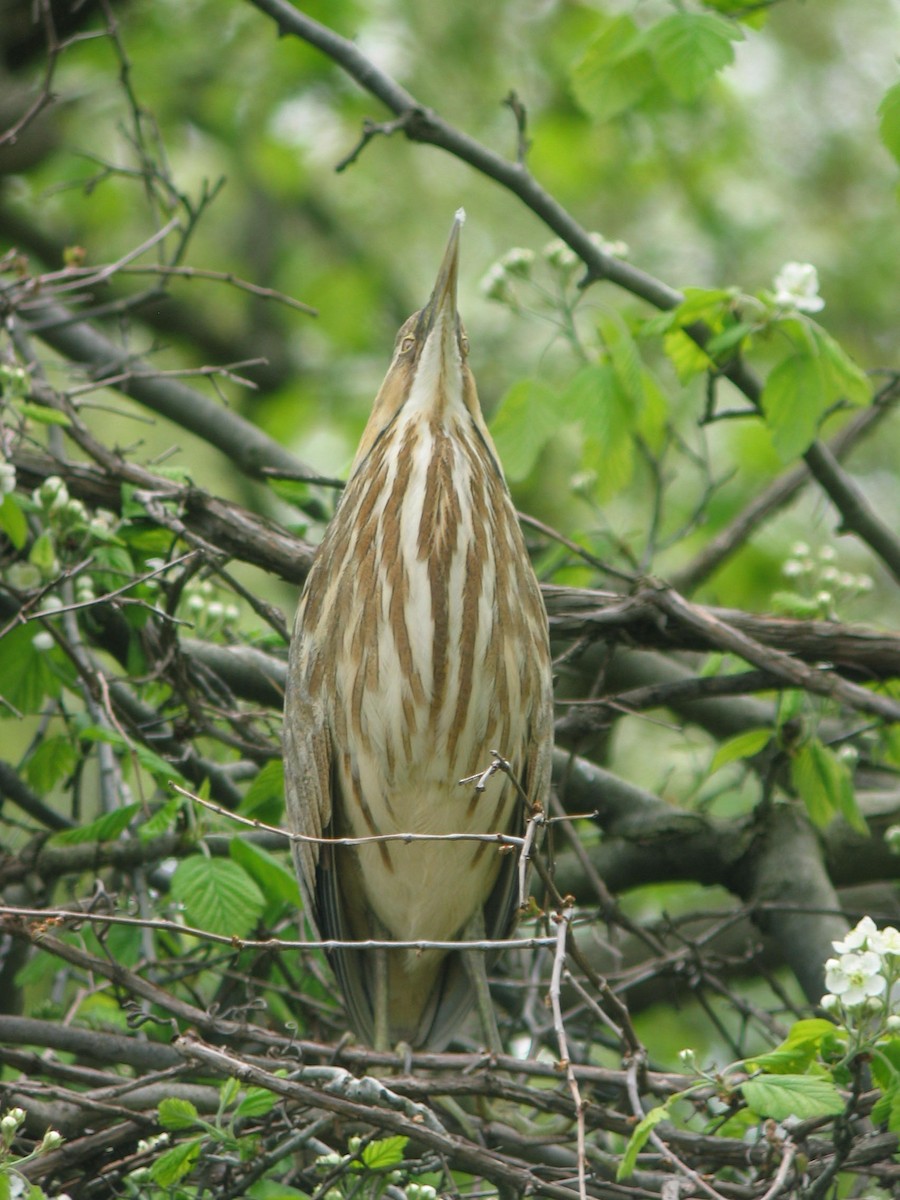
[407, 344]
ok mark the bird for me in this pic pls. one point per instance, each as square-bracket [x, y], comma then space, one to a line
[419, 657]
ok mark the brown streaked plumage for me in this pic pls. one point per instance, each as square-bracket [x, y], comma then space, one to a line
[420, 645]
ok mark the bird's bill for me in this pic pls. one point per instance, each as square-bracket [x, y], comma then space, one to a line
[443, 297]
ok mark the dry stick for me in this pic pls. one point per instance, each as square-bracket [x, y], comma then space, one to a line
[50, 917]
[670, 1155]
[421, 124]
[463, 1154]
[564, 920]
[823, 683]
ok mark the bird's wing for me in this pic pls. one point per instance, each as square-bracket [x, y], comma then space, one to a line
[307, 787]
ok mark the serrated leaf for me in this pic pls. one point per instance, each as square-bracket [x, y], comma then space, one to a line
[51, 761]
[824, 785]
[614, 72]
[384, 1153]
[12, 521]
[624, 357]
[844, 380]
[638, 1140]
[608, 420]
[689, 49]
[802, 1096]
[796, 1052]
[217, 895]
[701, 304]
[175, 1113]
[174, 1164]
[793, 401]
[889, 125]
[161, 770]
[256, 1103]
[745, 745]
[229, 1092]
[162, 819]
[264, 798]
[685, 355]
[105, 829]
[528, 416]
[727, 343]
[26, 673]
[275, 881]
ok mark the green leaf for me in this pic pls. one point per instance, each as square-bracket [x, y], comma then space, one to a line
[162, 771]
[12, 520]
[44, 416]
[264, 798]
[624, 357]
[614, 72]
[528, 416]
[728, 343]
[177, 1114]
[689, 49]
[275, 881]
[685, 355]
[162, 820]
[53, 759]
[105, 829]
[825, 786]
[217, 895]
[174, 1164]
[889, 127]
[638, 1140]
[793, 400]
[43, 554]
[745, 745]
[256, 1103]
[385, 1153]
[803, 1096]
[796, 1052]
[26, 672]
[844, 379]
[702, 304]
[608, 418]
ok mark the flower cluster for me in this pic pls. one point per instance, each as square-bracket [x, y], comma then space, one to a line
[519, 264]
[816, 574]
[797, 287]
[861, 978]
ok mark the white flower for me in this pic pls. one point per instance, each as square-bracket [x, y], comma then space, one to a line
[559, 255]
[830, 1003]
[43, 640]
[797, 286]
[616, 249]
[518, 261]
[7, 478]
[886, 941]
[495, 284]
[800, 550]
[793, 569]
[855, 978]
[857, 938]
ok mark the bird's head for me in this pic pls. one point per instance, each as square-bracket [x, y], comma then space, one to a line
[429, 375]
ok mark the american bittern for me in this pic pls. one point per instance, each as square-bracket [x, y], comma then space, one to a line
[420, 645]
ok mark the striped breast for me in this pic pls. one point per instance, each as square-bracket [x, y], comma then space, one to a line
[421, 642]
